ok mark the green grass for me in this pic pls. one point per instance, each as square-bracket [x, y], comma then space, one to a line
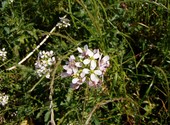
[134, 33]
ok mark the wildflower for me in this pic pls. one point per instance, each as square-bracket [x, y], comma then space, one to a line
[64, 22]
[44, 63]
[3, 54]
[83, 52]
[89, 67]
[93, 57]
[70, 67]
[94, 76]
[3, 99]
[76, 82]
[104, 63]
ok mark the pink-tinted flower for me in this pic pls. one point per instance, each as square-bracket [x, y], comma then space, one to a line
[84, 72]
[93, 56]
[94, 84]
[104, 63]
[94, 75]
[71, 67]
[83, 52]
[89, 67]
[76, 82]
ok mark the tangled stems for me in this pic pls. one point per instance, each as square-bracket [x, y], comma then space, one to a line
[100, 104]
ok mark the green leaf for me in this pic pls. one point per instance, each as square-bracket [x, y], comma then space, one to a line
[40, 114]
[47, 116]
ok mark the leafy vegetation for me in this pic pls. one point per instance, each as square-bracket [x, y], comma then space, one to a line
[133, 33]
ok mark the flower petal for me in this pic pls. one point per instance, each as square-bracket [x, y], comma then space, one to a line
[65, 67]
[64, 74]
[53, 59]
[93, 65]
[47, 75]
[84, 72]
[96, 56]
[94, 78]
[80, 50]
[83, 79]
[86, 61]
[75, 86]
[75, 80]
[51, 53]
[91, 83]
[98, 72]
[72, 58]
[90, 53]
[78, 64]
[75, 70]
[105, 58]
[86, 47]
[69, 71]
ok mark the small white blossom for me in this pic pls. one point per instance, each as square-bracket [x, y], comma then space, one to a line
[89, 67]
[44, 63]
[93, 58]
[64, 22]
[3, 54]
[83, 52]
[94, 75]
[3, 99]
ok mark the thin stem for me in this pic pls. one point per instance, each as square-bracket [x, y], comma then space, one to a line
[31, 53]
[98, 105]
[52, 121]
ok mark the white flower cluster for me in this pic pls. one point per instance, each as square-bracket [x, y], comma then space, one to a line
[64, 22]
[44, 63]
[3, 99]
[3, 54]
[89, 67]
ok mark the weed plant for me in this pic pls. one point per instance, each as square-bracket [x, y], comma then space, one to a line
[135, 89]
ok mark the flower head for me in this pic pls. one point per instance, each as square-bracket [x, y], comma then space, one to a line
[64, 22]
[44, 63]
[104, 63]
[3, 54]
[92, 59]
[3, 99]
[89, 67]
[71, 67]
[76, 82]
